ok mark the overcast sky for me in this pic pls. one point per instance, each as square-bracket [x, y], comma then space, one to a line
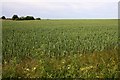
[61, 8]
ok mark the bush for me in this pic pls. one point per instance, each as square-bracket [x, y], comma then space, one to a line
[38, 18]
[29, 18]
[15, 17]
[3, 17]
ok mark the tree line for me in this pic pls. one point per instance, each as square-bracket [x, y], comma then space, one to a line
[15, 17]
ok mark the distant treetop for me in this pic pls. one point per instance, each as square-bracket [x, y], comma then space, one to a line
[3, 17]
[29, 18]
[15, 17]
[38, 18]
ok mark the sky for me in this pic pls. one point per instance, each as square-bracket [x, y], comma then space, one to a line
[61, 9]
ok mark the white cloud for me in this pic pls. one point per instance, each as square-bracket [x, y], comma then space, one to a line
[55, 8]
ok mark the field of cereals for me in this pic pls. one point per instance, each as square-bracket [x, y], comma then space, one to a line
[60, 49]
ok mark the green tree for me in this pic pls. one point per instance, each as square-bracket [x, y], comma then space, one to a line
[29, 18]
[3, 17]
[15, 17]
[38, 18]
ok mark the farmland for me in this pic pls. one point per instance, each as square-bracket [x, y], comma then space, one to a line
[60, 48]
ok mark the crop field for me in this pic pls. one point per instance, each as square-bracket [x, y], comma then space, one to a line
[60, 48]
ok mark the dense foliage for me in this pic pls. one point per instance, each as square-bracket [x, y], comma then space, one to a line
[15, 17]
[3, 17]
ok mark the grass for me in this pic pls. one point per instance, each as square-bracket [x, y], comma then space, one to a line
[96, 65]
[60, 49]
